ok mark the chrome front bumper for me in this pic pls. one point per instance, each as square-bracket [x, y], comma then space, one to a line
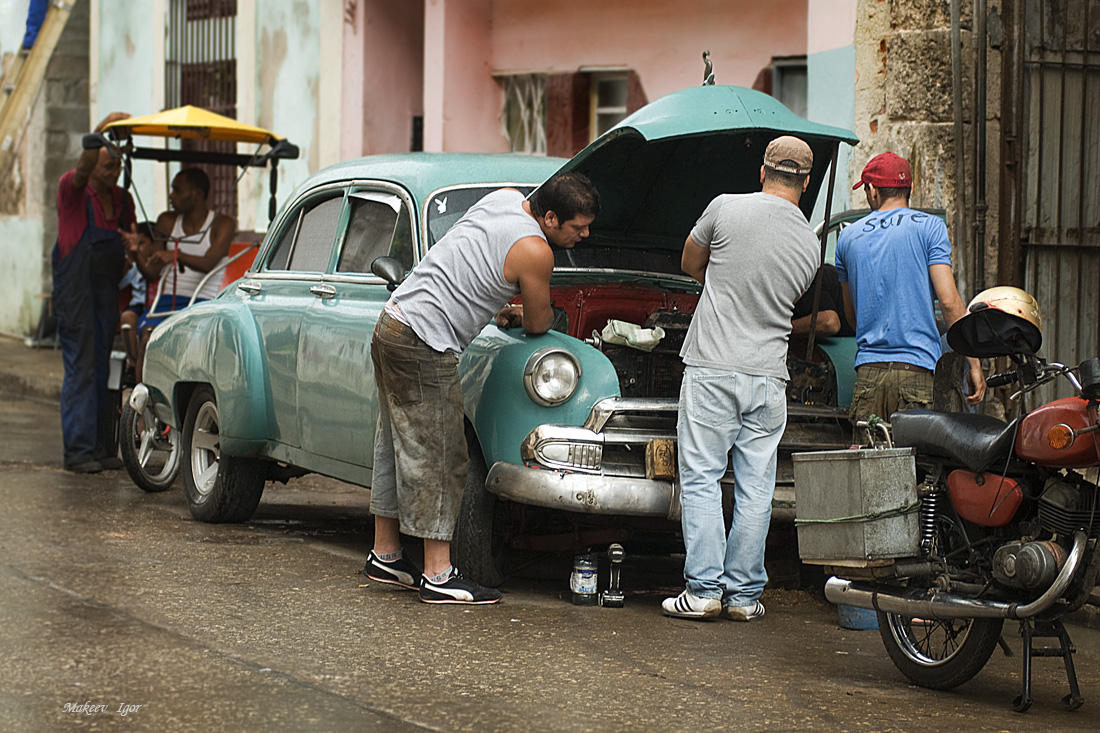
[600, 467]
[585, 493]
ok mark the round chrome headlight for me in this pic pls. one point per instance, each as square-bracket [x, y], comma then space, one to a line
[551, 376]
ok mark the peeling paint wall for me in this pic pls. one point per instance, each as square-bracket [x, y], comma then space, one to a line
[28, 232]
[124, 82]
[287, 48]
[384, 57]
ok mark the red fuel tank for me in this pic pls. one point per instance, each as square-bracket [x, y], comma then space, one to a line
[984, 498]
[1031, 441]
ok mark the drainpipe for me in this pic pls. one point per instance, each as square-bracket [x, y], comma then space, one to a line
[980, 206]
[964, 250]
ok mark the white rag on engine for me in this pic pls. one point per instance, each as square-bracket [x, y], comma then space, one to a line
[632, 335]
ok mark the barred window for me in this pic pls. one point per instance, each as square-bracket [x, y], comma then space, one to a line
[524, 114]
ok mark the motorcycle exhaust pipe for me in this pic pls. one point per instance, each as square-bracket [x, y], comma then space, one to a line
[916, 603]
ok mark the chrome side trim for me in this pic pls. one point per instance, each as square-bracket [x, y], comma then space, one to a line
[604, 410]
[916, 603]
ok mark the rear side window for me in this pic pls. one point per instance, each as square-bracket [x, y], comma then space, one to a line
[379, 225]
[305, 242]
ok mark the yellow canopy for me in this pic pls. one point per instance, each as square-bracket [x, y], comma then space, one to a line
[195, 123]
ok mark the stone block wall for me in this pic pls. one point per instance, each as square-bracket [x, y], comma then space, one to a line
[904, 104]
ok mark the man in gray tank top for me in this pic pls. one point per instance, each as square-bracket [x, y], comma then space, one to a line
[755, 255]
[500, 248]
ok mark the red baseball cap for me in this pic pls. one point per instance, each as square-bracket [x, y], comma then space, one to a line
[886, 171]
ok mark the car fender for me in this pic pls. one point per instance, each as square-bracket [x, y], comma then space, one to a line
[496, 402]
[842, 352]
[215, 343]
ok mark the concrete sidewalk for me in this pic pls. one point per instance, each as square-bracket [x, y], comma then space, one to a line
[28, 371]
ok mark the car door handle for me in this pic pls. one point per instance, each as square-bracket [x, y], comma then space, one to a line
[249, 287]
[323, 291]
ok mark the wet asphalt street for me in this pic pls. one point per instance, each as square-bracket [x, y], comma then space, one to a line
[118, 611]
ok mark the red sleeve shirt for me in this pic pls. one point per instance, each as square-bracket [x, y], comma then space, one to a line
[71, 216]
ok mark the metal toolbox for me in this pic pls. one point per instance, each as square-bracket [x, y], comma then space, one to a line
[856, 507]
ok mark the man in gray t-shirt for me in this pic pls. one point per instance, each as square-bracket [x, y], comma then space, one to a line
[755, 255]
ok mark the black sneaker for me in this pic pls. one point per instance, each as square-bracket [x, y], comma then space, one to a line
[90, 466]
[456, 589]
[399, 572]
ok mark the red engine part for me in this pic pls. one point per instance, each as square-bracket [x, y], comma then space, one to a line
[1032, 444]
[983, 498]
[590, 306]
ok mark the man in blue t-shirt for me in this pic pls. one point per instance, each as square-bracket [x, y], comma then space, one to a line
[891, 264]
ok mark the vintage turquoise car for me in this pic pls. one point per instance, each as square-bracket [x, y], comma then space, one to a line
[572, 435]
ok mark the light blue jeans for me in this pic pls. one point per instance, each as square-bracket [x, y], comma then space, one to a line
[720, 411]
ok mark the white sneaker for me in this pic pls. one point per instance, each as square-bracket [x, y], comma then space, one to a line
[745, 613]
[688, 605]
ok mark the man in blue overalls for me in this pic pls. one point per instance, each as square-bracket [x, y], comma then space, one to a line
[88, 262]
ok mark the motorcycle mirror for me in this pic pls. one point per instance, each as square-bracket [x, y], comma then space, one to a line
[1089, 374]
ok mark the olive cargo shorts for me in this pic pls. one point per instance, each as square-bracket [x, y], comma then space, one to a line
[882, 392]
[420, 456]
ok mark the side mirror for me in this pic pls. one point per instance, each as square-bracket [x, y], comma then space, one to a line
[390, 270]
[1089, 374]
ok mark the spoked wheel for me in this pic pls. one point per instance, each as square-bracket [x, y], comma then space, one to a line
[940, 654]
[220, 488]
[150, 449]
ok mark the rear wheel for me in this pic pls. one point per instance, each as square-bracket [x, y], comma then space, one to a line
[939, 654]
[219, 488]
[150, 449]
[477, 547]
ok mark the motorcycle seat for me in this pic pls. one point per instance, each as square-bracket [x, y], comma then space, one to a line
[972, 440]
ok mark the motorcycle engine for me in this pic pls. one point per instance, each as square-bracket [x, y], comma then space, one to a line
[1069, 503]
[1028, 565]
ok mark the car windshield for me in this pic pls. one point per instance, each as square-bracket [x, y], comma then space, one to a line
[447, 207]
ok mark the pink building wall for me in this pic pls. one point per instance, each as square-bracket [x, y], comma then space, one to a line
[464, 43]
[383, 77]
[662, 41]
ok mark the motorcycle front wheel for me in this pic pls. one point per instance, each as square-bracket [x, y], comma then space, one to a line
[939, 654]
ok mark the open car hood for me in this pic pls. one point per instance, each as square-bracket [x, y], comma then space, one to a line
[659, 168]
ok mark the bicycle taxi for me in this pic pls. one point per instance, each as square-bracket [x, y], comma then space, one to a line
[150, 449]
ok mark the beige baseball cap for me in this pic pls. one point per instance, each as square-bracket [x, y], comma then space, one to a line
[789, 154]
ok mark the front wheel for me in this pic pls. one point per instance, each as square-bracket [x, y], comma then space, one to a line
[150, 449]
[219, 488]
[939, 654]
[477, 545]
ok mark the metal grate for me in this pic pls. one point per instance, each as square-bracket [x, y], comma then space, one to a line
[201, 69]
[1054, 218]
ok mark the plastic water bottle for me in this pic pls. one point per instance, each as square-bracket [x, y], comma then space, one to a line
[583, 580]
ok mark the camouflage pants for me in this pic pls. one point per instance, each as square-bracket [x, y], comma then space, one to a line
[882, 392]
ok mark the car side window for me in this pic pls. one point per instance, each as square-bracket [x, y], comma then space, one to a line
[378, 225]
[305, 243]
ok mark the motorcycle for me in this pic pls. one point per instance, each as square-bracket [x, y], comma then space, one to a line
[1006, 515]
